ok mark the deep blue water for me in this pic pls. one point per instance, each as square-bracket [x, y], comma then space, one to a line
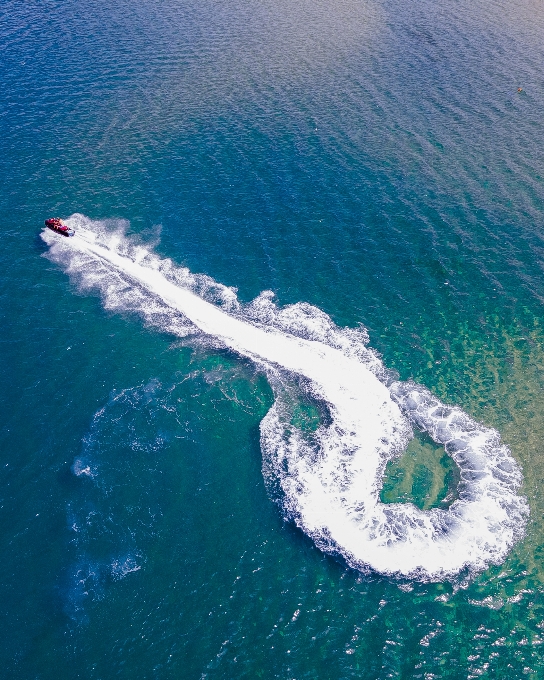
[374, 159]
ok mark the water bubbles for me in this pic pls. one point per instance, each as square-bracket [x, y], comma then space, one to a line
[326, 476]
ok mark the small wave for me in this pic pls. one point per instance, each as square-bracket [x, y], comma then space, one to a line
[82, 468]
[329, 479]
[122, 567]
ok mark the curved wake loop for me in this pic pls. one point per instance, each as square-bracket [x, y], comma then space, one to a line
[330, 478]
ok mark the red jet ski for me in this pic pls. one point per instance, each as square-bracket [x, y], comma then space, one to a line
[56, 224]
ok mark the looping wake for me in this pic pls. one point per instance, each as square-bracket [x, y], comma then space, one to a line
[329, 479]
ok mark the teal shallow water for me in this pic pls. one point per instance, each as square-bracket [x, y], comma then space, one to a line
[373, 159]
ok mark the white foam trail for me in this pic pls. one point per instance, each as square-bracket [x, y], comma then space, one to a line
[330, 485]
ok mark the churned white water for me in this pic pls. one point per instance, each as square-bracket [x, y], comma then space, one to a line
[329, 483]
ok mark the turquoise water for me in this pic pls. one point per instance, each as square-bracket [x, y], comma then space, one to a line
[373, 159]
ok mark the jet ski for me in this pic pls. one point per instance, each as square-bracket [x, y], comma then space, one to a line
[56, 224]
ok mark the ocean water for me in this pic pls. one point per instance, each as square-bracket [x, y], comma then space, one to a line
[276, 410]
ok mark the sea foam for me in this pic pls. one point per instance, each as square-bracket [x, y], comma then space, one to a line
[328, 481]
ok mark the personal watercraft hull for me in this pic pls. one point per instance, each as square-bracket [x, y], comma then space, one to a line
[56, 225]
